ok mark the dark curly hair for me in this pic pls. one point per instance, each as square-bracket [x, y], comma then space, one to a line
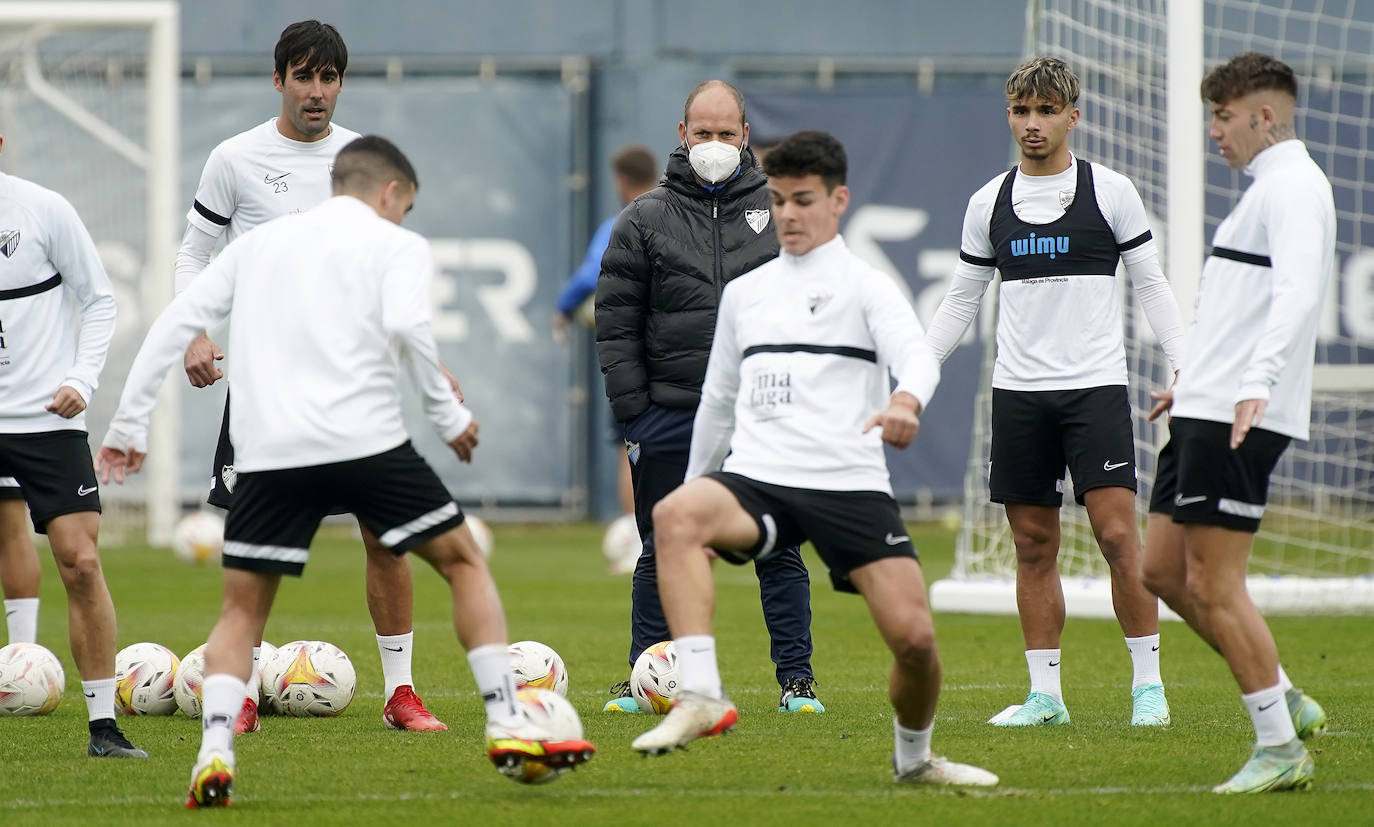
[804, 153]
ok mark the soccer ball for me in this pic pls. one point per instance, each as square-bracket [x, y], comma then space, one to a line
[198, 537]
[187, 684]
[312, 677]
[653, 681]
[144, 674]
[265, 701]
[31, 680]
[554, 714]
[481, 532]
[622, 545]
[538, 666]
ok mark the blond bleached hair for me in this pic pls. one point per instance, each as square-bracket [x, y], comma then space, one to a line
[1044, 77]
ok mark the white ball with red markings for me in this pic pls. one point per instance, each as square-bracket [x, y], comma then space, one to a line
[621, 544]
[538, 665]
[481, 532]
[190, 679]
[654, 680]
[144, 678]
[31, 680]
[265, 653]
[198, 538]
[313, 678]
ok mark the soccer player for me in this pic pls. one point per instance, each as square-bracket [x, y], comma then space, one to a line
[671, 253]
[316, 423]
[796, 404]
[57, 313]
[1055, 227]
[1243, 393]
[280, 167]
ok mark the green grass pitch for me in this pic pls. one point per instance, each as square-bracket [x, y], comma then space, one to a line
[774, 769]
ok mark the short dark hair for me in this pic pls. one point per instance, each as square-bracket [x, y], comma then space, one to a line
[1245, 73]
[636, 164]
[311, 44]
[708, 84]
[371, 161]
[804, 153]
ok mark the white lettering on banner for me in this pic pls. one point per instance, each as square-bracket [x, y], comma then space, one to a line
[1359, 295]
[502, 302]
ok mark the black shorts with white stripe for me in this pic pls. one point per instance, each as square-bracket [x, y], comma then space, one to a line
[276, 513]
[55, 472]
[10, 490]
[849, 529]
[1199, 479]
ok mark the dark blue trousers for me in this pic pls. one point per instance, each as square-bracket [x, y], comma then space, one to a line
[784, 584]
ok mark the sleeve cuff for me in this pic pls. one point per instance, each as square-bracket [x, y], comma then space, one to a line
[126, 436]
[81, 386]
[461, 424]
[1252, 390]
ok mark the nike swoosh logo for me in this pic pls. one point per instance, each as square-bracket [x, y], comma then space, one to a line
[90, 694]
[397, 649]
[82, 491]
[1112, 466]
[11, 611]
[1266, 706]
[270, 179]
[893, 540]
[1182, 500]
[1154, 648]
[1048, 718]
[1054, 663]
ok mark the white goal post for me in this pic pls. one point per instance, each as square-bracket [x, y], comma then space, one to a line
[1141, 64]
[88, 107]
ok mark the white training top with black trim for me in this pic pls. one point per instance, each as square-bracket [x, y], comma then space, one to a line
[318, 352]
[800, 362]
[48, 269]
[1060, 333]
[1254, 330]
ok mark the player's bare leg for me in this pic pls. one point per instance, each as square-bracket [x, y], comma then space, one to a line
[19, 572]
[1111, 512]
[1040, 603]
[695, 518]
[895, 592]
[480, 624]
[390, 600]
[90, 611]
[248, 597]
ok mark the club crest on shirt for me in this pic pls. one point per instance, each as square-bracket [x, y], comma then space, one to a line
[758, 219]
[1065, 198]
[815, 300]
[9, 242]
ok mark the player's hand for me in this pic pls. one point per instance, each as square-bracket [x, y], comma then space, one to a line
[201, 356]
[463, 444]
[1249, 412]
[114, 461]
[560, 328]
[452, 383]
[66, 403]
[898, 421]
[1164, 400]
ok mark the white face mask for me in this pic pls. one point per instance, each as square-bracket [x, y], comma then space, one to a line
[714, 161]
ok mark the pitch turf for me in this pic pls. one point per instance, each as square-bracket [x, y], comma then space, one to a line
[775, 769]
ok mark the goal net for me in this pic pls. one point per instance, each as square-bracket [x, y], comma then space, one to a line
[88, 108]
[1315, 548]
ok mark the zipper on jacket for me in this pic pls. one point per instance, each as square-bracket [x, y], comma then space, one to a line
[715, 226]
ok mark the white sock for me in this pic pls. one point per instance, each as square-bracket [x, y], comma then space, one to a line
[1044, 672]
[696, 665]
[1144, 660]
[491, 668]
[913, 745]
[21, 615]
[395, 651]
[221, 699]
[1284, 683]
[1269, 714]
[99, 698]
[253, 689]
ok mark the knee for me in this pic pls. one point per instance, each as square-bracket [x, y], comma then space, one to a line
[916, 649]
[79, 568]
[1036, 546]
[1163, 581]
[673, 525]
[1117, 539]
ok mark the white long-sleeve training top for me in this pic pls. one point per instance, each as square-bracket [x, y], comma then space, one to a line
[800, 362]
[48, 268]
[323, 303]
[1058, 333]
[1254, 331]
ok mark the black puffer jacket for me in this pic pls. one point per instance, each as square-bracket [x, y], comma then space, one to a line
[672, 251]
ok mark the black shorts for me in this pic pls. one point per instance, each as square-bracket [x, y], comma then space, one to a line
[1199, 479]
[1037, 434]
[223, 478]
[849, 529]
[276, 513]
[55, 470]
[10, 490]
